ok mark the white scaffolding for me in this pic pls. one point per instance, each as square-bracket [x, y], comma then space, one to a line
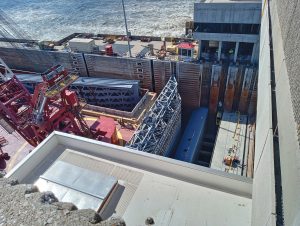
[162, 123]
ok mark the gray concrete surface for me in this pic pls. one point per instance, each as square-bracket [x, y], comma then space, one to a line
[22, 204]
[289, 22]
[231, 135]
[286, 47]
[226, 37]
[228, 12]
[285, 17]
[170, 191]
[263, 209]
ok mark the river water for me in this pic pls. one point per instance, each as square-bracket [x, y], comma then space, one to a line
[55, 19]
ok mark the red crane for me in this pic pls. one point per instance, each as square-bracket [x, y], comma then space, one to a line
[51, 107]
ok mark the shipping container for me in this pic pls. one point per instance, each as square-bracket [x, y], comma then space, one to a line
[190, 143]
[83, 45]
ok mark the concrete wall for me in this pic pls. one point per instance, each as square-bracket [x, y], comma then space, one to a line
[263, 195]
[285, 17]
[40, 61]
[117, 67]
[87, 64]
[241, 13]
[247, 13]
[194, 79]
[226, 37]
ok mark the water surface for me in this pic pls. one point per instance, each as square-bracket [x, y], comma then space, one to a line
[55, 19]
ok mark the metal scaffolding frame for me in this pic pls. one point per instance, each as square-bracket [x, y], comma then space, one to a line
[162, 123]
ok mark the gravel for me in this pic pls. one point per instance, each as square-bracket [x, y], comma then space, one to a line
[22, 204]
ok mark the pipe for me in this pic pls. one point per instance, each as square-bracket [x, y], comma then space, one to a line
[127, 33]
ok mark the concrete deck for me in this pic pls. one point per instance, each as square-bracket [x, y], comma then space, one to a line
[17, 148]
[231, 134]
[169, 191]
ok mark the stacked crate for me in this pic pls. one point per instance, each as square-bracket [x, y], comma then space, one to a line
[162, 72]
[189, 77]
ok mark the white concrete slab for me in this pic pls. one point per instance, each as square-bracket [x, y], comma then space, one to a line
[231, 135]
[169, 191]
[171, 202]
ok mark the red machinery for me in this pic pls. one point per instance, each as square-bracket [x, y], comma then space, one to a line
[3, 155]
[104, 129]
[109, 50]
[52, 106]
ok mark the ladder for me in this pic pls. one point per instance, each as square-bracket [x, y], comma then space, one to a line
[233, 152]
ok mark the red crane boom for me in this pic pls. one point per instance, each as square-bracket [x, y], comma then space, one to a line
[51, 107]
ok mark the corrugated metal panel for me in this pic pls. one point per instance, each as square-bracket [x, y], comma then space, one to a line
[70, 183]
[39, 61]
[128, 180]
[85, 81]
[189, 78]
[64, 194]
[80, 179]
[162, 73]
[118, 67]
[192, 137]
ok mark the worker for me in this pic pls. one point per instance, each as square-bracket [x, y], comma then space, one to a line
[219, 113]
[4, 155]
